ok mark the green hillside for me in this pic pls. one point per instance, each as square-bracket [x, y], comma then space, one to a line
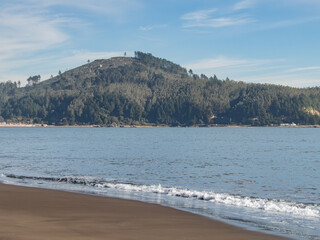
[149, 90]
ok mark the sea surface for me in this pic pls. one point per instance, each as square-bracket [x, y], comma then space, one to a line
[263, 179]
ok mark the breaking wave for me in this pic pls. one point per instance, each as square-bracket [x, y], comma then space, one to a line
[269, 205]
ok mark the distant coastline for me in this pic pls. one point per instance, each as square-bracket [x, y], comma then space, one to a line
[36, 125]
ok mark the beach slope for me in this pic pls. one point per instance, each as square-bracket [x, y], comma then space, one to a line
[32, 214]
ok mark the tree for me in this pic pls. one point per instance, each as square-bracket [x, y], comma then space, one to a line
[190, 72]
[29, 80]
[36, 79]
[33, 80]
[202, 76]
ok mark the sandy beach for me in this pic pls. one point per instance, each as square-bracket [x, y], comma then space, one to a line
[32, 213]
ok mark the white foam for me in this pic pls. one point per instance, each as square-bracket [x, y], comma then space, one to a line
[278, 206]
[269, 205]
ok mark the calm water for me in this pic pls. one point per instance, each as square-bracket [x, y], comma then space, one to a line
[264, 179]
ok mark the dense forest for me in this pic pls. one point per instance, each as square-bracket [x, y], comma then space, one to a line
[145, 90]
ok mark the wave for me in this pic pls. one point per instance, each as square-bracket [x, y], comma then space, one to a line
[269, 205]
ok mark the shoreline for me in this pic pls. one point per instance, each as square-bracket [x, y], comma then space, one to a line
[21, 125]
[36, 213]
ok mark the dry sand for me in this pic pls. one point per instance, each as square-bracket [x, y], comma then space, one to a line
[31, 213]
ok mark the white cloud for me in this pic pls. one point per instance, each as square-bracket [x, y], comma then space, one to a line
[31, 25]
[216, 18]
[33, 36]
[304, 69]
[289, 22]
[199, 15]
[81, 57]
[152, 27]
[112, 8]
[225, 62]
[220, 22]
[204, 18]
[312, 3]
[214, 63]
[284, 79]
[244, 4]
[57, 62]
[13, 78]
[273, 71]
[25, 32]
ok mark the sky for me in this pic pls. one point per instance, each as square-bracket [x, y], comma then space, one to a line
[254, 41]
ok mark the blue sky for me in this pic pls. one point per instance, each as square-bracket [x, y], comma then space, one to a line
[260, 41]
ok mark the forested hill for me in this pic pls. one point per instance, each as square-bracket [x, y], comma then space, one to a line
[149, 90]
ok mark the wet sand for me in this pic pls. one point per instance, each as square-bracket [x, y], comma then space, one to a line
[32, 214]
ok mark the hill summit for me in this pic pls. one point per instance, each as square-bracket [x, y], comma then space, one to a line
[146, 90]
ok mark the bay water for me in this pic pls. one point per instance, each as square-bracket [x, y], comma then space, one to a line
[262, 179]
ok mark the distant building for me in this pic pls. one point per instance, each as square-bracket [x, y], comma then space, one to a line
[288, 124]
